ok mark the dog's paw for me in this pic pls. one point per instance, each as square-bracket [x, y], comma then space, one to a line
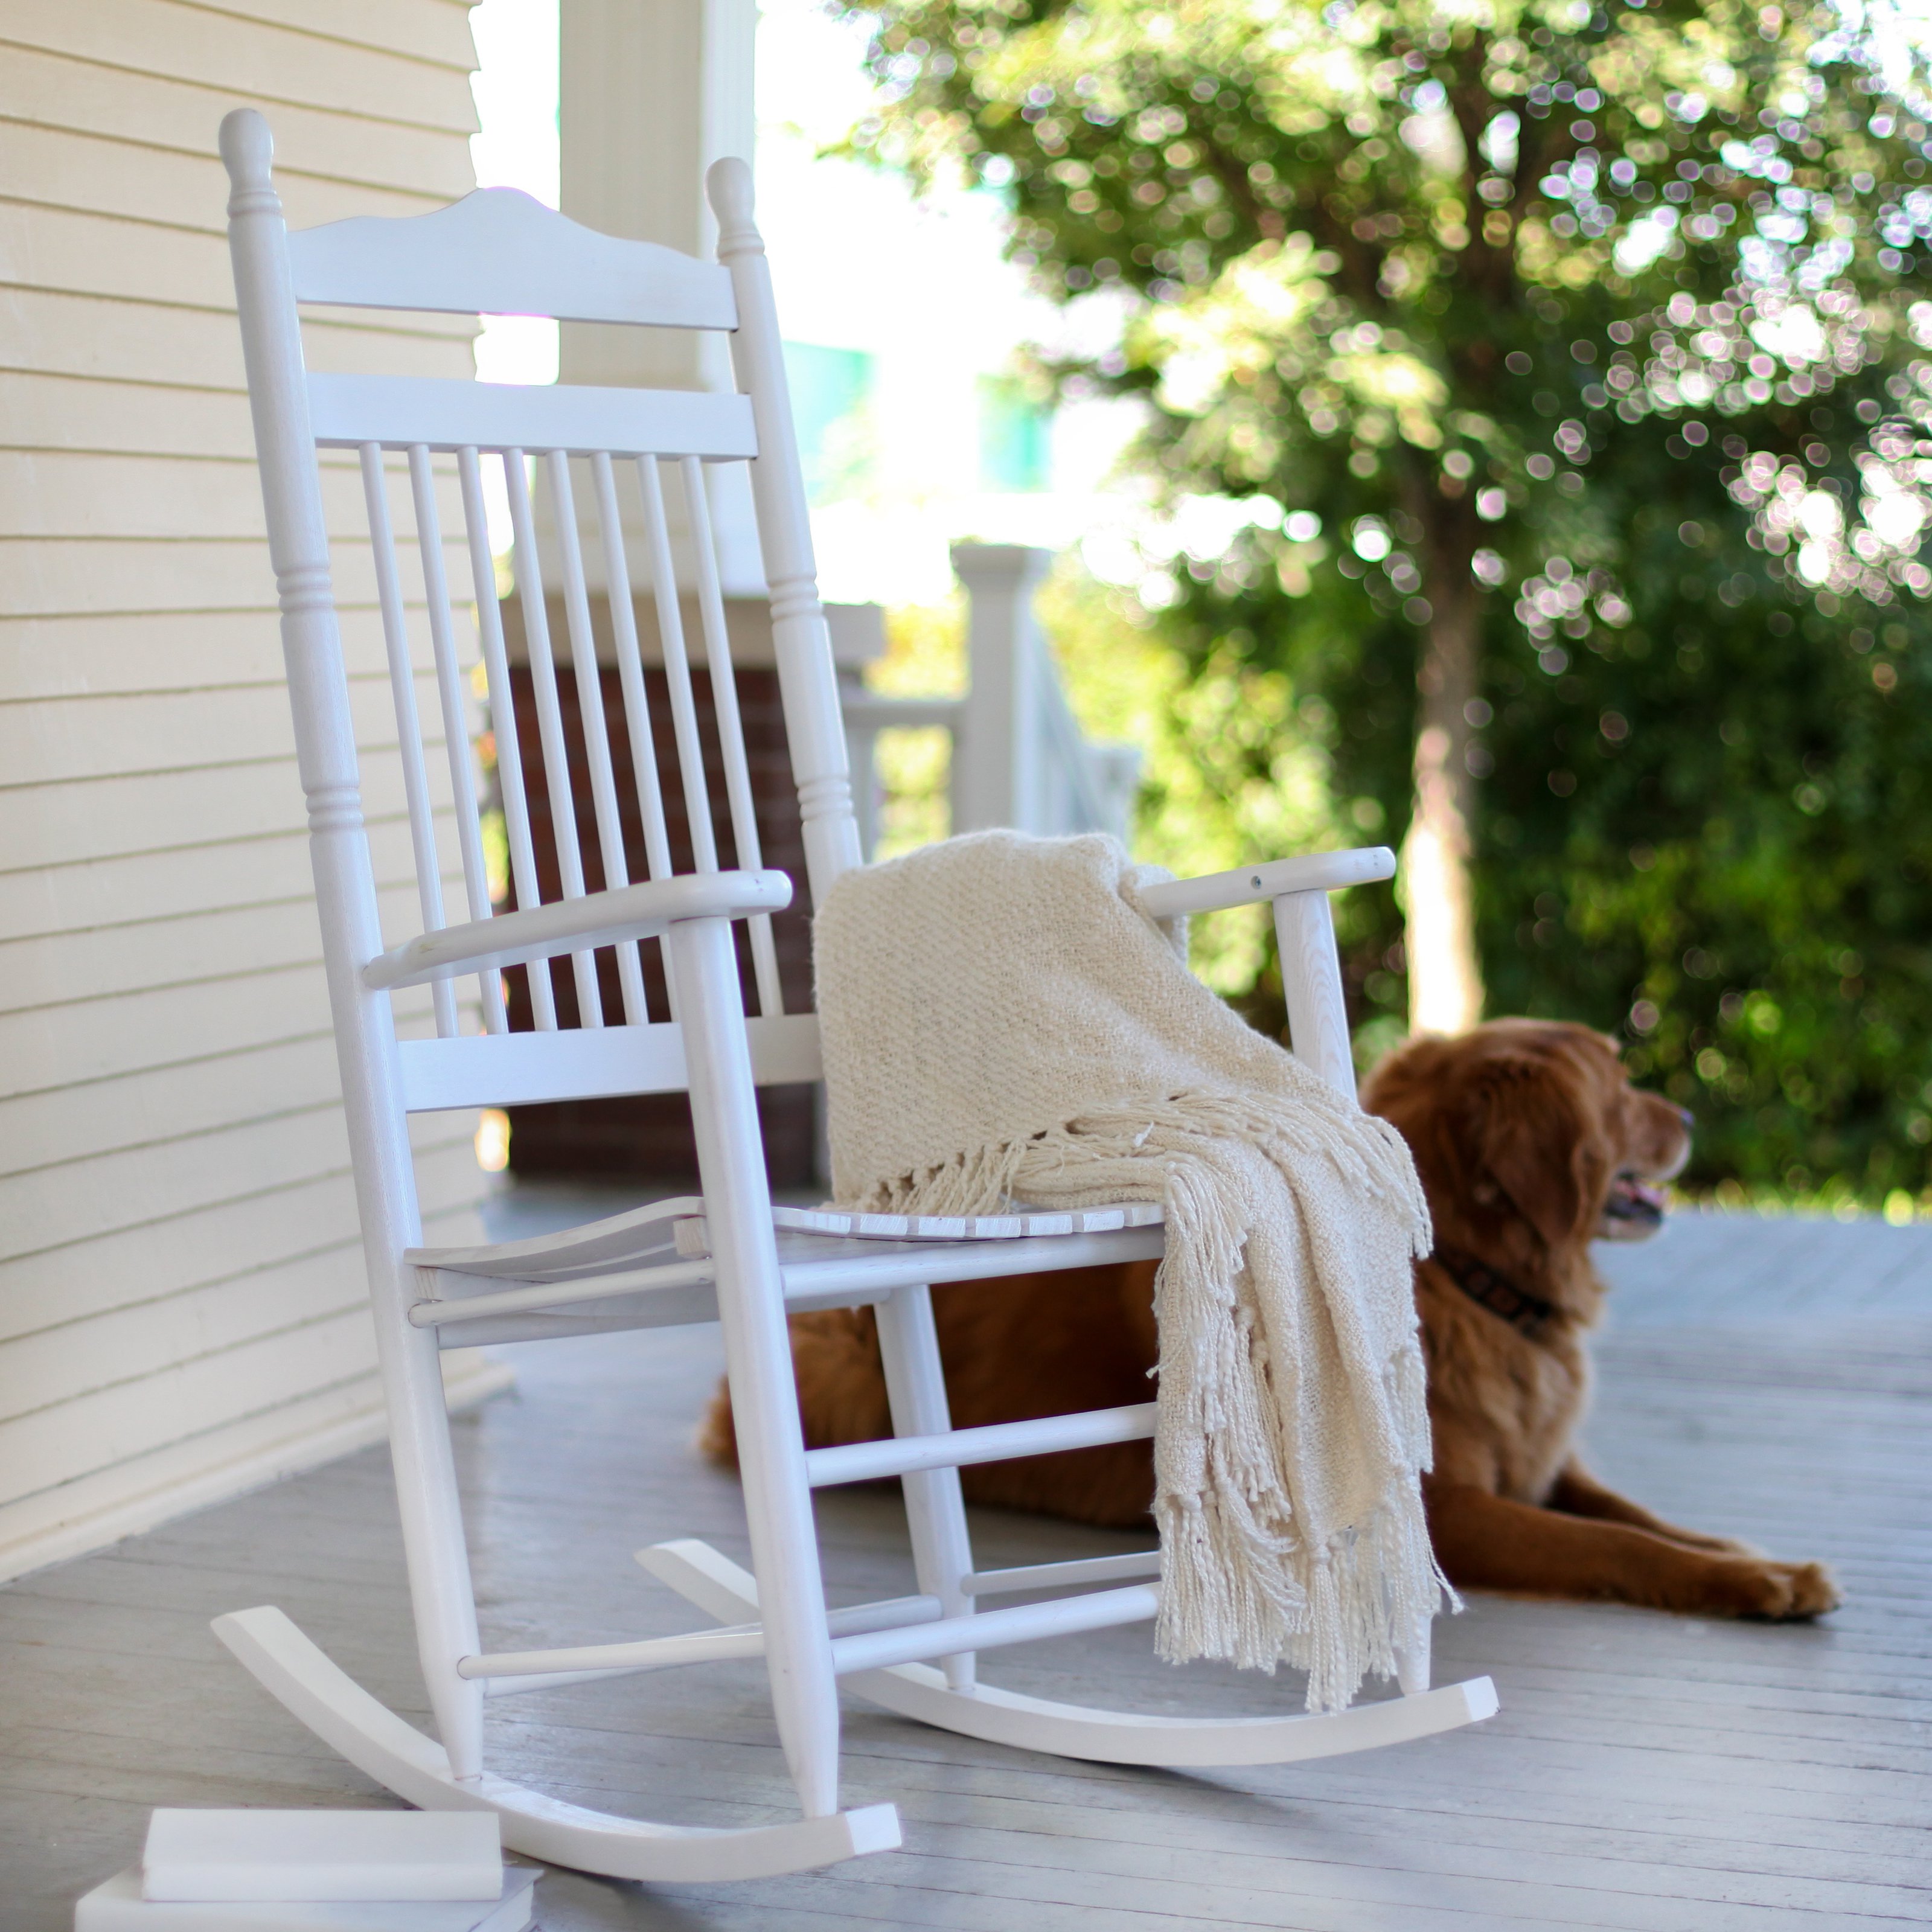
[1814, 1590]
[1775, 1592]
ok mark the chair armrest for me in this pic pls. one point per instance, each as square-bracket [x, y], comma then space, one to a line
[577, 925]
[1319, 872]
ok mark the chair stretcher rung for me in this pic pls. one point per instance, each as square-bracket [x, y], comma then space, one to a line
[905, 1455]
[535, 1296]
[990, 1629]
[1055, 1575]
[656, 1653]
[535, 1669]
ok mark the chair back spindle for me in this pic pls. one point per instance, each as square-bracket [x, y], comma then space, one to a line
[508, 760]
[631, 670]
[590, 718]
[731, 728]
[550, 722]
[408, 729]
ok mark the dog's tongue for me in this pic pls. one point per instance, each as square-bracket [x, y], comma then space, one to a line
[1645, 1193]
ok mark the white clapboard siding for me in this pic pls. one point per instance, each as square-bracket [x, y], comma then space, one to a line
[80, 171]
[63, 656]
[121, 892]
[267, 1247]
[124, 1188]
[155, 1105]
[87, 253]
[181, 1288]
[59, 739]
[55, 412]
[366, 77]
[206, 1465]
[256, 1232]
[185, 806]
[38, 1372]
[189, 348]
[73, 968]
[168, 117]
[72, 493]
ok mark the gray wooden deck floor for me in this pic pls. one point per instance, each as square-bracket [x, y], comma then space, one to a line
[1768, 1377]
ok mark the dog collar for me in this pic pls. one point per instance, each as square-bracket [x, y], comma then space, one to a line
[1528, 1314]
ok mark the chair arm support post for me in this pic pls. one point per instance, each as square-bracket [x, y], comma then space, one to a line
[1311, 978]
[757, 1356]
[641, 911]
[1311, 974]
[935, 1509]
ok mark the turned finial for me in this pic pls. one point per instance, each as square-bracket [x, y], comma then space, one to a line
[727, 184]
[248, 150]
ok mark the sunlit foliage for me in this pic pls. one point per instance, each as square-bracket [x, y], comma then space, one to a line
[1578, 352]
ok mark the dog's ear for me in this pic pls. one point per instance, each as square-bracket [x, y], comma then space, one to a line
[1529, 1134]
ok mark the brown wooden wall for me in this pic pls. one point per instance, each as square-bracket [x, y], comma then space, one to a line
[648, 1137]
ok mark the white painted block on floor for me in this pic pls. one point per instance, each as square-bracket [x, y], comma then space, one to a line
[322, 1856]
[118, 1907]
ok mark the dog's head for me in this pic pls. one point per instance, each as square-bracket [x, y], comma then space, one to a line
[1531, 1126]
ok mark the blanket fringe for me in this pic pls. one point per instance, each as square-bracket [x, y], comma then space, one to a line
[1240, 1582]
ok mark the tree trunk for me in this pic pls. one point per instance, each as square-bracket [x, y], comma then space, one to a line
[1445, 977]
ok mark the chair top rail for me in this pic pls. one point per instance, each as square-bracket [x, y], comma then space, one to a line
[444, 412]
[498, 251]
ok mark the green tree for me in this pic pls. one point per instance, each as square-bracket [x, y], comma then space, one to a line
[1448, 295]
[1569, 359]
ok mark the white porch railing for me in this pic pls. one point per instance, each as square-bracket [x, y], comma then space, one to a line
[1019, 759]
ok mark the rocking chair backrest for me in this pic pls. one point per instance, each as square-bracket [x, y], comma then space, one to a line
[592, 450]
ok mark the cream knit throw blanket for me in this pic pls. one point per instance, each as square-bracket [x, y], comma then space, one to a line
[1001, 1023]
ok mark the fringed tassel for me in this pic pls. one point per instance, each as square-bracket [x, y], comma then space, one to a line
[1239, 1581]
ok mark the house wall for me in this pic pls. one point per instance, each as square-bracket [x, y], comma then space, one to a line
[181, 1310]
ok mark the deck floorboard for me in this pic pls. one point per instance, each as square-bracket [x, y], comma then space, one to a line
[1768, 1377]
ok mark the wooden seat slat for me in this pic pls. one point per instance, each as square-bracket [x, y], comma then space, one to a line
[618, 1239]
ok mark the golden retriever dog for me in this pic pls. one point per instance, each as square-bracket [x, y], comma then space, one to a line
[1531, 1143]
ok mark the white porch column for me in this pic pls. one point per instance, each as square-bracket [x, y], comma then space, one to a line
[996, 753]
[651, 92]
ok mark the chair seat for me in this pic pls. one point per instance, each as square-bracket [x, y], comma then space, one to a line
[652, 1267]
[650, 1234]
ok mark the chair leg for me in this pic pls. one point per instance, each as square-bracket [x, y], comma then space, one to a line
[758, 1358]
[1413, 1663]
[916, 1386]
[441, 1595]
[1318, 1022]
[442, 1599]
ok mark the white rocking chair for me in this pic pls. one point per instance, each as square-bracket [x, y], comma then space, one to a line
[729, 1256]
